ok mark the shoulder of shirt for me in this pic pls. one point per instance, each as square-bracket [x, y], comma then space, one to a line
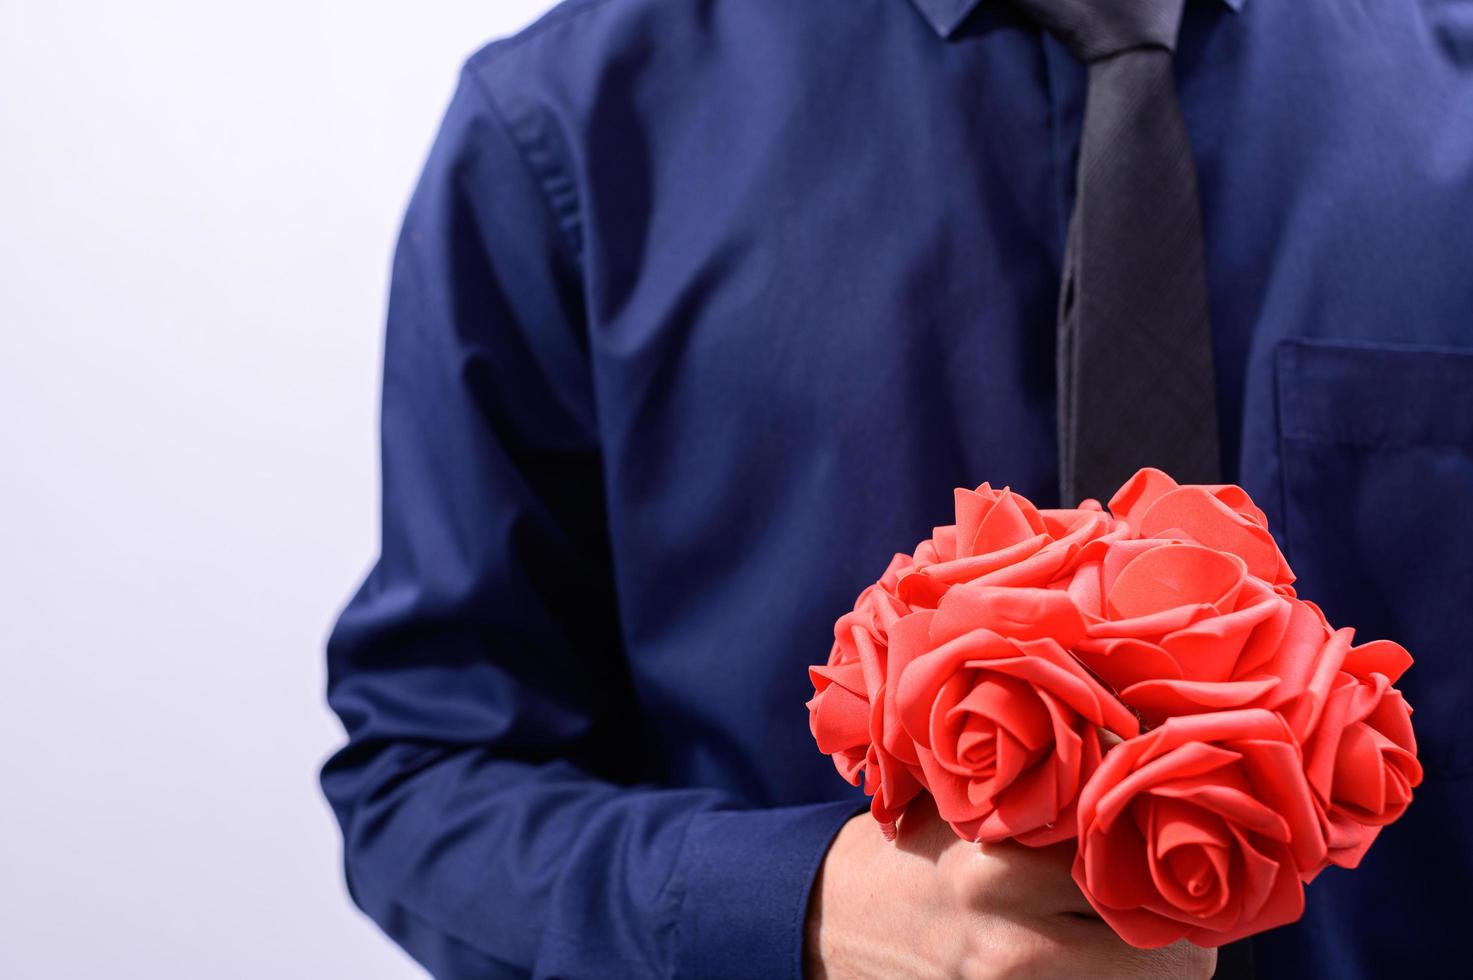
[579, 36]
[570, 24]
[529, 79]
[559, 16]
[588, 70]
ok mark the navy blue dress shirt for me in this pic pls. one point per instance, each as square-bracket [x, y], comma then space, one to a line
[700, 311]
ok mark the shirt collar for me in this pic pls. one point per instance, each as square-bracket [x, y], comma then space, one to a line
[947, 15]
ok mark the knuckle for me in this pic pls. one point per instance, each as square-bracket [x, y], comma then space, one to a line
[1007, 950]
[1179, 961]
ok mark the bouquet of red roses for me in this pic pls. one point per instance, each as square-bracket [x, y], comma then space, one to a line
[1143, 680]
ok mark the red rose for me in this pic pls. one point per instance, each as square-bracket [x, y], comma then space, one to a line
[1199, 829]
[1000, 538]
[846, 714]
[1359, 750]
[1222, 517]
[1181, 628]
[1003, 719]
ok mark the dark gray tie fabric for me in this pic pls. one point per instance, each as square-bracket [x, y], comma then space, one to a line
[1135, 342]
[1136, 386]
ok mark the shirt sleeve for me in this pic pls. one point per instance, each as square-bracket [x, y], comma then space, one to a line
[500, 814]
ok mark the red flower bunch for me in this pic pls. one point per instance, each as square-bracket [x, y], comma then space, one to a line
[994, 667]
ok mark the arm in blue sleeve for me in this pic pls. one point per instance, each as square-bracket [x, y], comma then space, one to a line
[498, 811]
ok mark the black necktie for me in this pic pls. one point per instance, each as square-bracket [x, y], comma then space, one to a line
[1135, 374]
[1135, 343]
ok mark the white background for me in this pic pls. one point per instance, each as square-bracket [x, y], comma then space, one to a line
[198, 203]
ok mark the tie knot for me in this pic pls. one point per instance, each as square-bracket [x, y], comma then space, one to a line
[1095, 29]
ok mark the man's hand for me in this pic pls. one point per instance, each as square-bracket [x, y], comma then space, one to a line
[932, 905]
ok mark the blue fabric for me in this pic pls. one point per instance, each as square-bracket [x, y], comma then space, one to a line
[700, 311]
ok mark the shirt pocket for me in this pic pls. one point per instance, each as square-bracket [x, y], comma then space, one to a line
[1376, 451]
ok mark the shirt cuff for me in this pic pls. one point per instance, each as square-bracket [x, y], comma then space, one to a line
[747, 877]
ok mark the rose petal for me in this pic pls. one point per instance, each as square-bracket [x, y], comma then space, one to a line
[1283, 903]
[1278, 781]
[1111, 869]
[1183, 762]
[1160, 699]
[1153, 626]
[839, 720]
[1293, 653]
[1256, 878]
[941, 730]
[1249, 723]
[1349, 840]
[1359, 778]
[1209, 521]
[1178, 824]
[926, 584]
[910, 637]
[1009, 519]
[1211, 648]
[1124, 662]
[1138, 493]
[1378, 657]
[1172, 576]
[1392, 717]
[950, 791]
[1030, 801]
[1018, 613]
[1120, 555]
[1186, 829]
[924, 676]
[1234, 805]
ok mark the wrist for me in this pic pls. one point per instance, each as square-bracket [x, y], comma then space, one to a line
[828, 909]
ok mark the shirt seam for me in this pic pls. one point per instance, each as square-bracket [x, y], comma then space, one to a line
[563, 235]
[1330, 440]
[676, 893]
